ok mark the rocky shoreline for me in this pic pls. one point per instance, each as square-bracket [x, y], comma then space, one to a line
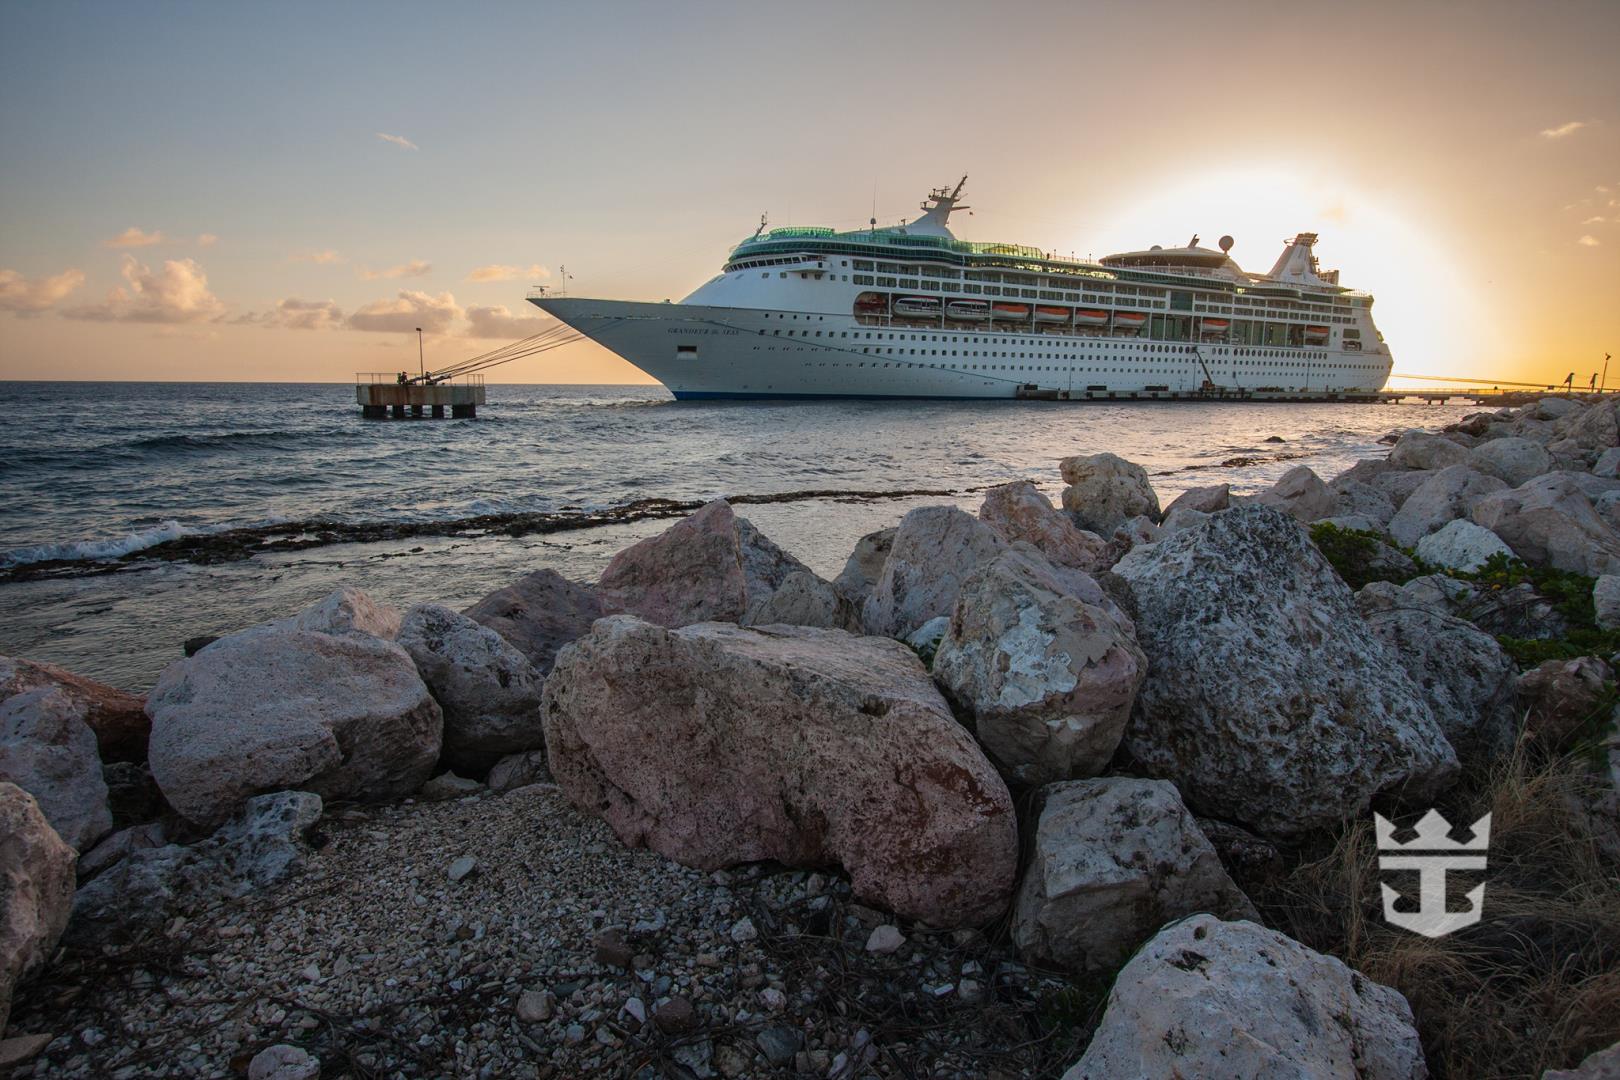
[1082, 790]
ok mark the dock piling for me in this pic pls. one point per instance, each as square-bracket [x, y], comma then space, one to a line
[381, 394]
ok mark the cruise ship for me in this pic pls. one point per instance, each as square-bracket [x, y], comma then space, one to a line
[910, 311]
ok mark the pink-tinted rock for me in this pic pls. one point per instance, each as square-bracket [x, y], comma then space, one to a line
[118, 719]
[347, 610]
[1018, 511]
[269, 710]
[539, 614]
[1560, 697]
[1300, 494]
[1550, 521]
[934, 551]
[710, 566]
[1206, 500]
[716, 744]
[36, 890]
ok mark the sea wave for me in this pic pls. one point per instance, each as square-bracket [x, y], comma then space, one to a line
[117, 546]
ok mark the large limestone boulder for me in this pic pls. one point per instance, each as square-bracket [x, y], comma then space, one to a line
[864, 566]
[258, 847]
[1019, 511]
[710, 566]
[1114, 860]
[803, 599]
[1513, 460]
[264, 710]
[1047, 677]
[1608, 464]
[1594, 428]
[539, 614]
[1421, 450]
[1444, 497]
[488, 691]
[1554, 408]
[716, 744]
[1518, 612]
[1359, 499]
[1461, 545]
[934, 551]
[1105, 491]
[118, 719]
[1211, 499]
[1207, 998]
[1268, 700]
[1300, 494]
[347, 610]
[1550, 521]
[48, 750]
[1466, 678]
[36, 890]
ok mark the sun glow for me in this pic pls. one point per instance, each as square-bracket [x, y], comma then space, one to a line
[1423, 304]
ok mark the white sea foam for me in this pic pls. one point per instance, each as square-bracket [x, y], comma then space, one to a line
[110, 548]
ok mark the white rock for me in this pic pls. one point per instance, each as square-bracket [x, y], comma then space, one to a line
[36, 890]
[934, 551]
[48, 750]
[347, 610]
[1550, 521]
[487, 689]
[1178, 518]
[1105, 490]
[1608, 464]
[1205, 500]
[1268, 700]
[345, 717]
[1048, 678]
[1300, 494]
[884, 940]
[1606, 599]
[743, 930]
[534, 1006]
[1359, 499]
[864, 566]
[460, 868]
[1513, 460]
[1461, 545]
[284, 1062]
[926, 638]
[1114, 859]
[1207, 998]
[1422, 450]
[1465, 677]
[1443, 497]
[1552, 408]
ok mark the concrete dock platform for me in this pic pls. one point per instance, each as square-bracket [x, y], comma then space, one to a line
[381, 399]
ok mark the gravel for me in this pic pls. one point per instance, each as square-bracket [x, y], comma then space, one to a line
[379, 959]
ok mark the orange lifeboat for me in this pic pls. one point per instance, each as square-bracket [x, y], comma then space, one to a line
[1045, 314]
[1003, 310]
[871, 303]
[1131, 320]
[1216, 326]
[1316, 333]
[1090, 317]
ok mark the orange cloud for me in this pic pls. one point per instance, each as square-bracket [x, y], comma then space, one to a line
[323, 258]
[1563, 130]
[176, 294]
[408, 310]
[29, 296]
[498, 272]
[398, 140]
[133, 237]
[1588, 241]
[207, 239]
[414, 268]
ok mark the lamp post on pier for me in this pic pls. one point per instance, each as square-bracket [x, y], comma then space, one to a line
[421, 365]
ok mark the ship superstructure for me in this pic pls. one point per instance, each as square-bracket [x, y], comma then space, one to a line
[911, 311]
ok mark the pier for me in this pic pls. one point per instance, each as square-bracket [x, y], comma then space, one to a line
[382, 395]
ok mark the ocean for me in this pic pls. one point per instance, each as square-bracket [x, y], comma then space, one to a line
[137, 515]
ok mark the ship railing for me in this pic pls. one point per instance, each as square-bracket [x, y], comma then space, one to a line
[546, 292]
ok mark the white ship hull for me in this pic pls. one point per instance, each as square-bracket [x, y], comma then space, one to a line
[701, 351]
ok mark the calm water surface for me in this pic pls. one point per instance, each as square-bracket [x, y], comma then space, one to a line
[98, 470]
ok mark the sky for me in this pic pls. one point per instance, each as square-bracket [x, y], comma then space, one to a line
[281, 192]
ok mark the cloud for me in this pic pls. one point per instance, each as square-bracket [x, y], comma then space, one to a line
[323, 258]
[207, 239]
[176, 294]
[1562, 130]
[30, 296]
[408, 310]
[295, 314]
[402, 141]
[414, 268]
[1588, 241]
[133, 238]
[497, 322]
[497, 272]
[1595, 220]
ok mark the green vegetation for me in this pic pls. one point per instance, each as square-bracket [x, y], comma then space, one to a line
[1570, 595]
[1361, 557]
